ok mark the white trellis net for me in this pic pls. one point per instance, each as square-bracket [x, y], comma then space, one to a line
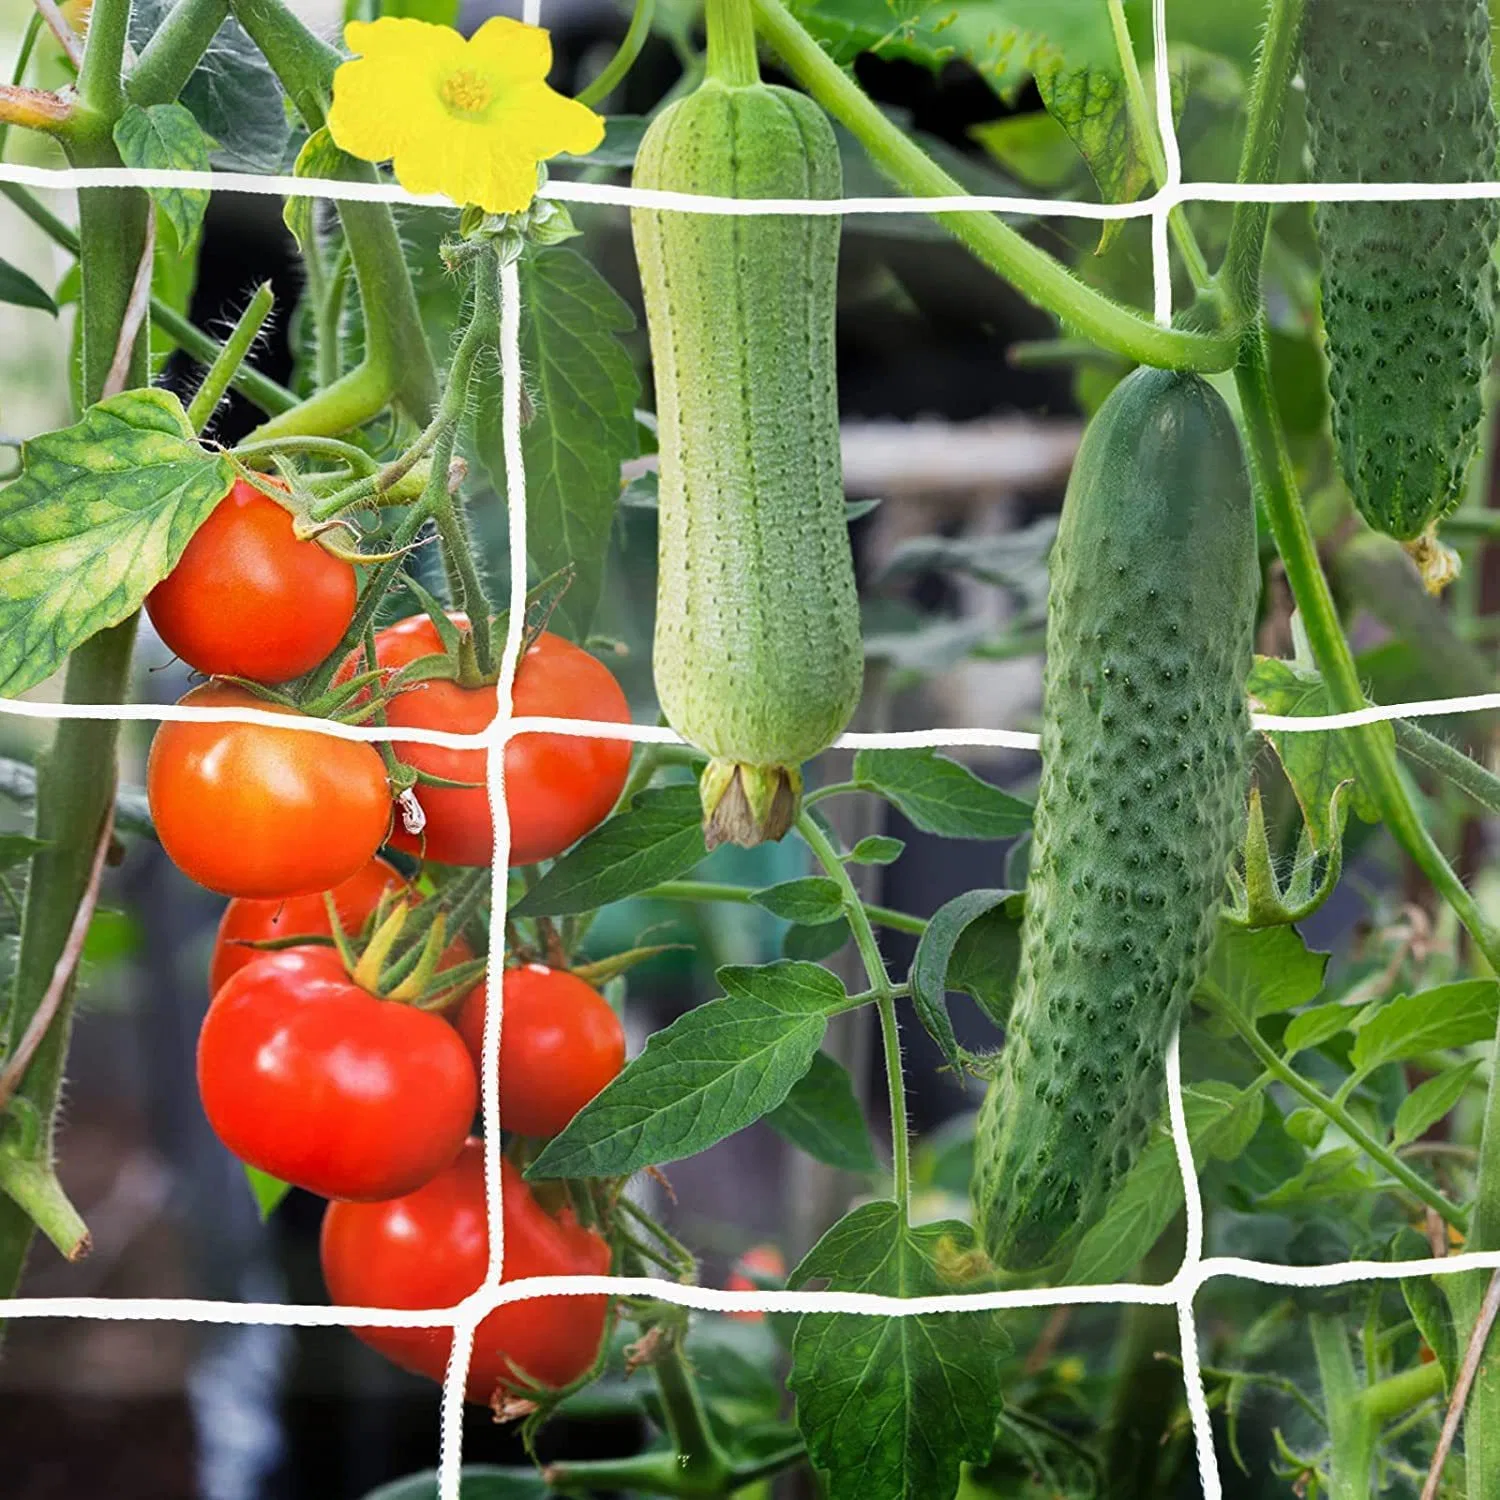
[1196, 1269]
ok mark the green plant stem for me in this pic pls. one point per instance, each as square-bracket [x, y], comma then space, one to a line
[251, 384]
[730, 25]
[230, 357]
[885, 1004]
[612, 75]
[23, 59]
[132, 811]
[324, 447]
[175, 49]
[397, 366]
[699, 1457]
[1143, 122]
[101, 86]
[329, 308]
[1273, 1063]
[709, 890]
[33, 1187]
[1349, 1424]
[1482, 787]
[1034, 274]
[1269, 89]
[1401, 1393]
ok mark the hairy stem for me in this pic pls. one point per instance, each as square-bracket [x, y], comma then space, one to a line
[709, 890]
[216, 380]
[175, 49]
[1349, 1423]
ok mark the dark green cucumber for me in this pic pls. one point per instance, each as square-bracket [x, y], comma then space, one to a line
[1400, 91]
[1151, 610]
[757, 654]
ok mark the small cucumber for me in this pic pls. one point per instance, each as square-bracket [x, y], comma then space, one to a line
[757, 654]
[1151, 610]
[1400, 91]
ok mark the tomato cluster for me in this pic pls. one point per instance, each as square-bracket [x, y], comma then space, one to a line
[331, 1065]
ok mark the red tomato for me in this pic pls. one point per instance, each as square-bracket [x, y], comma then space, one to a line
[326, 1086]
[557, 787]
[248, 599]
[248, 921]
[252, 811]
[560, 1043]
[760, 1260]
[431, 1250]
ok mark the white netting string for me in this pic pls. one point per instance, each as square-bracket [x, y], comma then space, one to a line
[1196, 1269]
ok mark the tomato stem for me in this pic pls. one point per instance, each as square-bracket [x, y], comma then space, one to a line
[175, 49]
[101, 87]
[230, 357]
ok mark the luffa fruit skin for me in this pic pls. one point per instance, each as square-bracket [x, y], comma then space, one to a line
[1400, 91]
[757, 654]
[1154, 588]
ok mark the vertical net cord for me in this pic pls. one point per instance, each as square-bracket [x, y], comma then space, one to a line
[450, 1452]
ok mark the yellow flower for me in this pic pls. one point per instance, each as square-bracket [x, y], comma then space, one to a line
[469, 119]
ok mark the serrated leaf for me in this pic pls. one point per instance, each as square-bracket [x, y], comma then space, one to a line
[710, 1073]
[99, 516]
[814, 943]
[1315, 761]
[876, 849]
[585, 389]
[232, 93]
[1430, 1101]
[1451, 1015]
[1314, 1027]
[892, 1406]
[1261, 972]
[267, 1191]
[940, 796]
[1336, 1173]
[476, 1482]
[658, 837]
[811, 900]
[166, 138]
[822, 1117]
[1307, 1127]
[19, 290]
[933, 960]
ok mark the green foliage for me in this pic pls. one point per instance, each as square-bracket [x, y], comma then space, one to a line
[972, 943]
[166, 138]
[822, 1117]
[812, 901]
[940, 796]
[19, 290]
[892, 1405]
[100, 514]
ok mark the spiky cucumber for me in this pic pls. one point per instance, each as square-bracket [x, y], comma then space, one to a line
[757, 654]
[1151, 608]
[1400, 91]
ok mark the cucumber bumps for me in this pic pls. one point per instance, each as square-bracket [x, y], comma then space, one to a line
[1151, 611]
[757, 655]
[1399, 91]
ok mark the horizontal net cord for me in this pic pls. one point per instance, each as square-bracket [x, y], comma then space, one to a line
[503, 729]
[1160, 202]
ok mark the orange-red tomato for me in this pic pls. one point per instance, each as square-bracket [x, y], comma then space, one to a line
[557, 787]
[760, 1260]
[248, 810]
[431, 1250]
[560, 1044]
[247, 921]
[248, 599]
[326, 1086]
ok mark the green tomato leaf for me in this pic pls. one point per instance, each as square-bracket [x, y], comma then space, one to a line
[1430, 1101]
[1316, 761]
[822, 1117]
[476, 1482]
[1314, 1027]
[1428, 1306]
[815, 943]
[892, 1406]
[1261, 972]
[1338, 1173]
[940, 796]
[812, 901]
[268, 1191]
[99, 516]
[1452, 1015]
[1032, 147]
[658, 837]
[584, 387]
[875, 850]
[932, 964]
[232, 93]
[19, 290]
[166, 137]
[710, 1073]
[319, 157]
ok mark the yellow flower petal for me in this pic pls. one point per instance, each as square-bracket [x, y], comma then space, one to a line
[541, 123]
[404, 40]
[510, 51]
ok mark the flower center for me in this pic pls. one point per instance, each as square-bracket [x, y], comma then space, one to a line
[466, 93]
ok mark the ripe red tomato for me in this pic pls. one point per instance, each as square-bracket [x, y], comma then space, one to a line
[248, 921]
[326, 1086]
[252, 811]
[557, 787]
[560, 1043]
[431, 1250]
[248, 599]
[759, 1260]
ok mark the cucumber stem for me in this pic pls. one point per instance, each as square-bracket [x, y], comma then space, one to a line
[731, 42]
[1349, 1422]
